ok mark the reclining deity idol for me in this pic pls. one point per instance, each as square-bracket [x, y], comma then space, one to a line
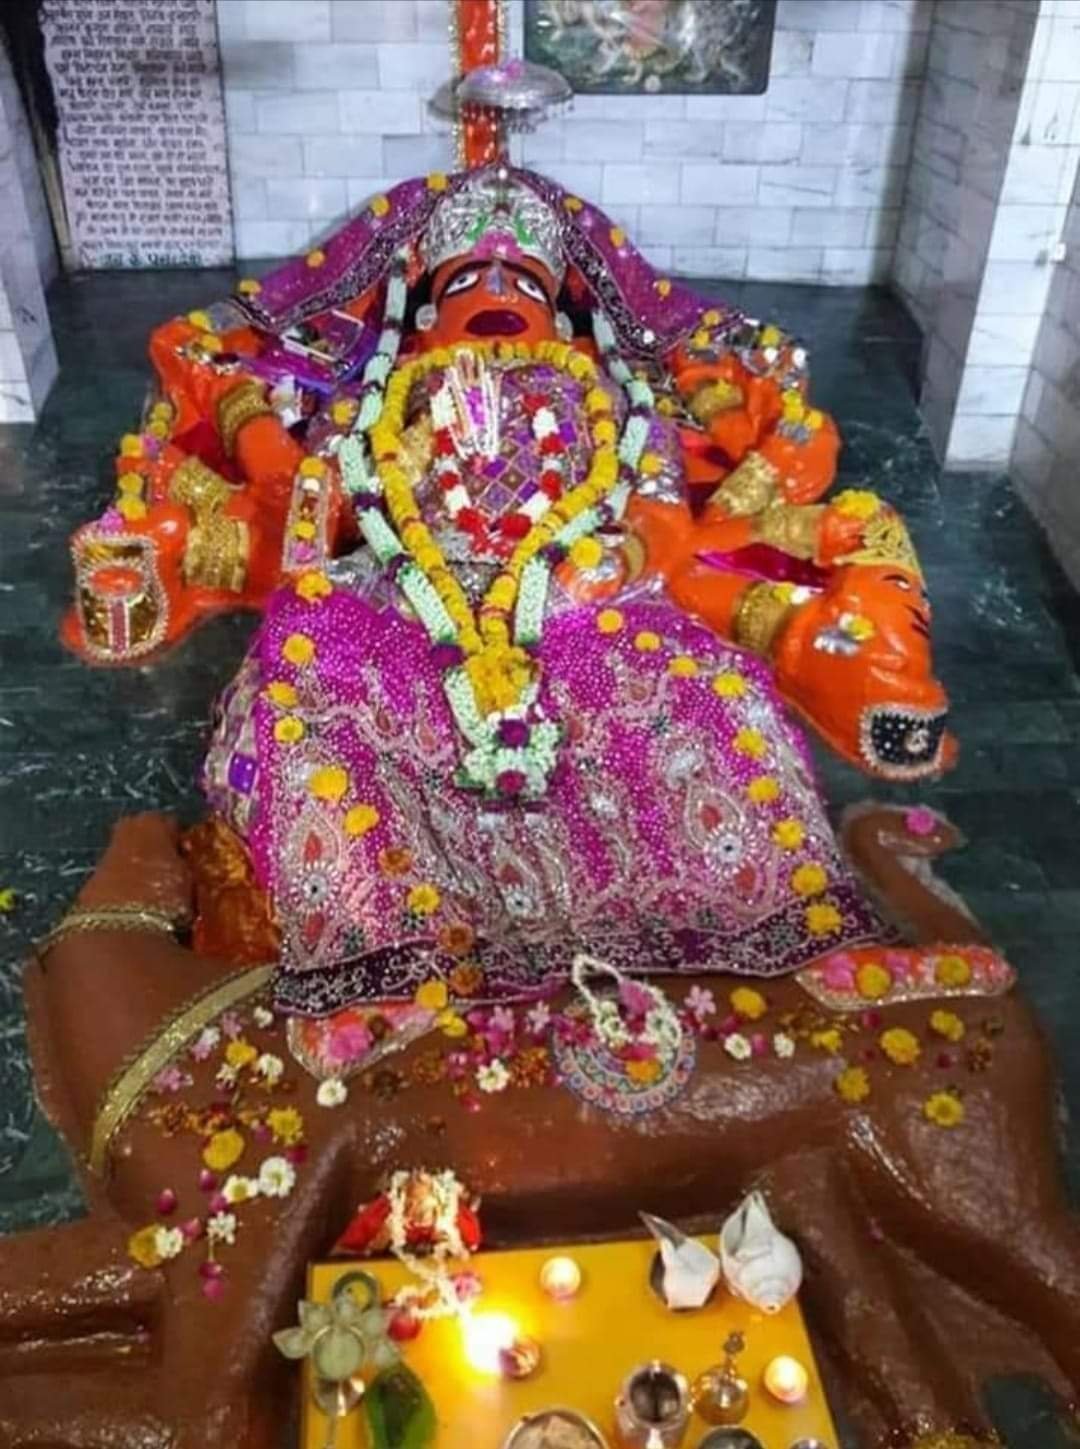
[534, 322]
[516, 861]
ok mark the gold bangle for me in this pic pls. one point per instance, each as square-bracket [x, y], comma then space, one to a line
[759, 616]
[110, 918]
[199, 487]
[239, 405]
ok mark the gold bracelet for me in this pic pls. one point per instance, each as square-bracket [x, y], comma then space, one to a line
[198, 487]
[759, 616]
[110, 918]
[239, 405]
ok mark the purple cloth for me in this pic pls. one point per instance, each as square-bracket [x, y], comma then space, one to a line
[647, 850]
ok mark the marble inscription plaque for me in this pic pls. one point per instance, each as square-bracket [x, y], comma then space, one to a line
[142, 131]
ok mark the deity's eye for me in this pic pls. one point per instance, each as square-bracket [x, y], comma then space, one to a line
[900, 581]
[461, 283]
[530, 288]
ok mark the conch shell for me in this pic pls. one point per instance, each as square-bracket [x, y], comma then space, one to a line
[760, 1264]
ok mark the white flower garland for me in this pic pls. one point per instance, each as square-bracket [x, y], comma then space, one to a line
[447, 1193]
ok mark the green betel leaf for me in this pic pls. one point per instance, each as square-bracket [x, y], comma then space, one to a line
[400, 1412]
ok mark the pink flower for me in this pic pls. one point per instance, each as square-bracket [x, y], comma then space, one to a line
[231, 1025]
[348, 1042]
[920, 820]
[700, 1002]
[502, 1020]
[638, 1051]
[468, 1286]
[635, 998]
[730, 1023]
[759, 1044]
[510, 782]
[172, 1079]
[538, 1018]
[900, 964]
[111, 521]
[838, 971]
[166, 1203]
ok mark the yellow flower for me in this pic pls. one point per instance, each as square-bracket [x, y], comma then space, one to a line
[700, 338]
[952, 971]
[644, 1072]
[311, 467]
[827, 1040]
[748, 1003]
[666, 406]
[646, 642]
[423, 899]
[437, 181]
[809, 880]
[859, 628]
[750, 742]
[209, 342]
[201, 320]
[604, 431]
[360, 819]
[289, 730]
[789, 834]
[609, 621]
[770, 336]
[586, 553]
[159, 428]
[239, 1052]
[948, 1025]
[163, 410]
[900, 1046]
[729, 685]
[944, 1109]
[618, 236]
[573, 203]
[142, 1246]
[682, 666]
[823, 919]
[450, 1023]
[223, 1149]
[315, 258]
[663, 286]
[379, 205]
[650, 465]
[343, 411]
[304, 529]
[432, 996]
[329, 783]
[597, 401]
[286, 1124]
[857, 503]
[853, 1085]
[131, 508]
[711, 318]
[249, 287]
[298, 649]
[815, 420]
[281, 693]
[872, 981]
[763, 789]
[313, 586]
[131, 446]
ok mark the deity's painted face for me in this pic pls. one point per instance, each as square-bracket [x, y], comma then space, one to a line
[481, 298]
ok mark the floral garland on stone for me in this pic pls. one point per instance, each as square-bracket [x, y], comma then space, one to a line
[491, 683]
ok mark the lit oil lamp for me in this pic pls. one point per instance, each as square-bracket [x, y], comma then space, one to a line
[786, 1380]
[560, 1278]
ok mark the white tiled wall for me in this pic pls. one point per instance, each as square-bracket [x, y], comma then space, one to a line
[27, 356]
[326, 104]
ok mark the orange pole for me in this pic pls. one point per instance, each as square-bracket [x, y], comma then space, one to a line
[477, 33]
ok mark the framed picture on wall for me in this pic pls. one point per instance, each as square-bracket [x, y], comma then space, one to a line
[703, 47]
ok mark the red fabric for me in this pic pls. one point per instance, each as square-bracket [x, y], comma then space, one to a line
[762, 561]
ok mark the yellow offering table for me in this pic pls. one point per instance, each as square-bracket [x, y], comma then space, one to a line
[589, 1343]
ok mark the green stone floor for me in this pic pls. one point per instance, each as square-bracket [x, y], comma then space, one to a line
[78, 747]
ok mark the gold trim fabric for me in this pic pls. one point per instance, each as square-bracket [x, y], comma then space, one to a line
[759, 617]
[749, 489]
[239, 405]
[199, 487]
[715, 397]
[126, 1091]
[791, 527]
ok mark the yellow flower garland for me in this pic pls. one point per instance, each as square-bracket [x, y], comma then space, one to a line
[498, 670]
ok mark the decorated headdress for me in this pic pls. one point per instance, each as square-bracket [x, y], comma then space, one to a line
[493, 214]
[648, 313]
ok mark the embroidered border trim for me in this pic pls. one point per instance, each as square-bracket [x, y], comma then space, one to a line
[125, 1092]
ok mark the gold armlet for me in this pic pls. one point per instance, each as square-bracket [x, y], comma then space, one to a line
[749, 489]
[761, 612]
[238, 406]
[111, 918]
[199, 487]
[718, 396]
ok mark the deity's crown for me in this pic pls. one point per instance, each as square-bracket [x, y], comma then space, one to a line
[494, 214]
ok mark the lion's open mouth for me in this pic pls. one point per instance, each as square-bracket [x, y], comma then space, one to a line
[901, 742]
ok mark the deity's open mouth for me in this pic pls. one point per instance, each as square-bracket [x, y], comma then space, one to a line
[496, 322]
[901, 742]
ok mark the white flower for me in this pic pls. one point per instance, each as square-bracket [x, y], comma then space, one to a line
[263, 1017]
[269, 1068]
[332, 1092]
[544, 423]
[168, 1242]
[737, 1046]
[700, 1002]
[277, 1177]
[783, 1045]
[239, 1189]
[227, 1075]
[221, 1228]
[493, 1078]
